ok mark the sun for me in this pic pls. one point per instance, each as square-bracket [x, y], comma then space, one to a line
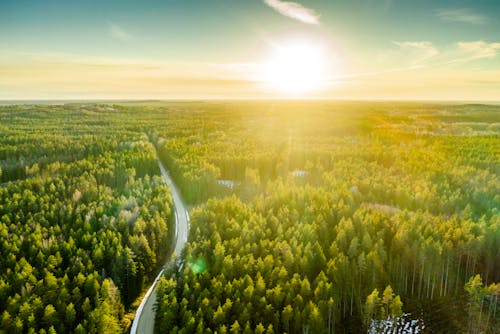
[295, 69]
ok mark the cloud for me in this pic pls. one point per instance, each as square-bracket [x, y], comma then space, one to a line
[294, 10]
[461, 15]
[23, 75]
[118, 32]
[421, 50]
[418, 55]
[480, 49]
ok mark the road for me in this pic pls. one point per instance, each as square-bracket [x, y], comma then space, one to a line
[144, 320]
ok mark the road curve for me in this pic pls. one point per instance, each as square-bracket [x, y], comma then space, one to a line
[144, 321]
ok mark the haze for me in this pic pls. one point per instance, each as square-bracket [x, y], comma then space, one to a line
[54, 49]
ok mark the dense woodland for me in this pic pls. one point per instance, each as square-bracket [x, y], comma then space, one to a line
[344, 217]
[84, 220]
[308, 217]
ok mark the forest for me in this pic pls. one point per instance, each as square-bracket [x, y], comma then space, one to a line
[336, 218]
[307, 216]
[85, 220]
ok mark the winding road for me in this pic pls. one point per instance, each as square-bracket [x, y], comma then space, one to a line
[144, 320]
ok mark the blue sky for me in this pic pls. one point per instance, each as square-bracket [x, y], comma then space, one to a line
[365, 37]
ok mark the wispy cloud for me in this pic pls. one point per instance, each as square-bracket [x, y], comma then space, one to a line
[118, 32]
[480, 49]
[421, 56]
[294, 10]
[463, 15]
[421, 50]
[23, 75]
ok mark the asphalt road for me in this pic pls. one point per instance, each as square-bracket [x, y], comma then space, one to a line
[144, 320]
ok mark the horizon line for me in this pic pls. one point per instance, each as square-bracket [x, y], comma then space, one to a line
[284, 99]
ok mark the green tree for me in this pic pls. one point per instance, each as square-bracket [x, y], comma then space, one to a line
[49, 315]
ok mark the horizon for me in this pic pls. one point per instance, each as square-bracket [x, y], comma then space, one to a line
[277, 99]
[250, 50]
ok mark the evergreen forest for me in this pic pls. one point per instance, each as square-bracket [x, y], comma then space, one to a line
[306, 216]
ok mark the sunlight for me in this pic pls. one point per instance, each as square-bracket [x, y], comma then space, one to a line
[296, 68]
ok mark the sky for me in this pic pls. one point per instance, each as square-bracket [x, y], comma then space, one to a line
[186, 49]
